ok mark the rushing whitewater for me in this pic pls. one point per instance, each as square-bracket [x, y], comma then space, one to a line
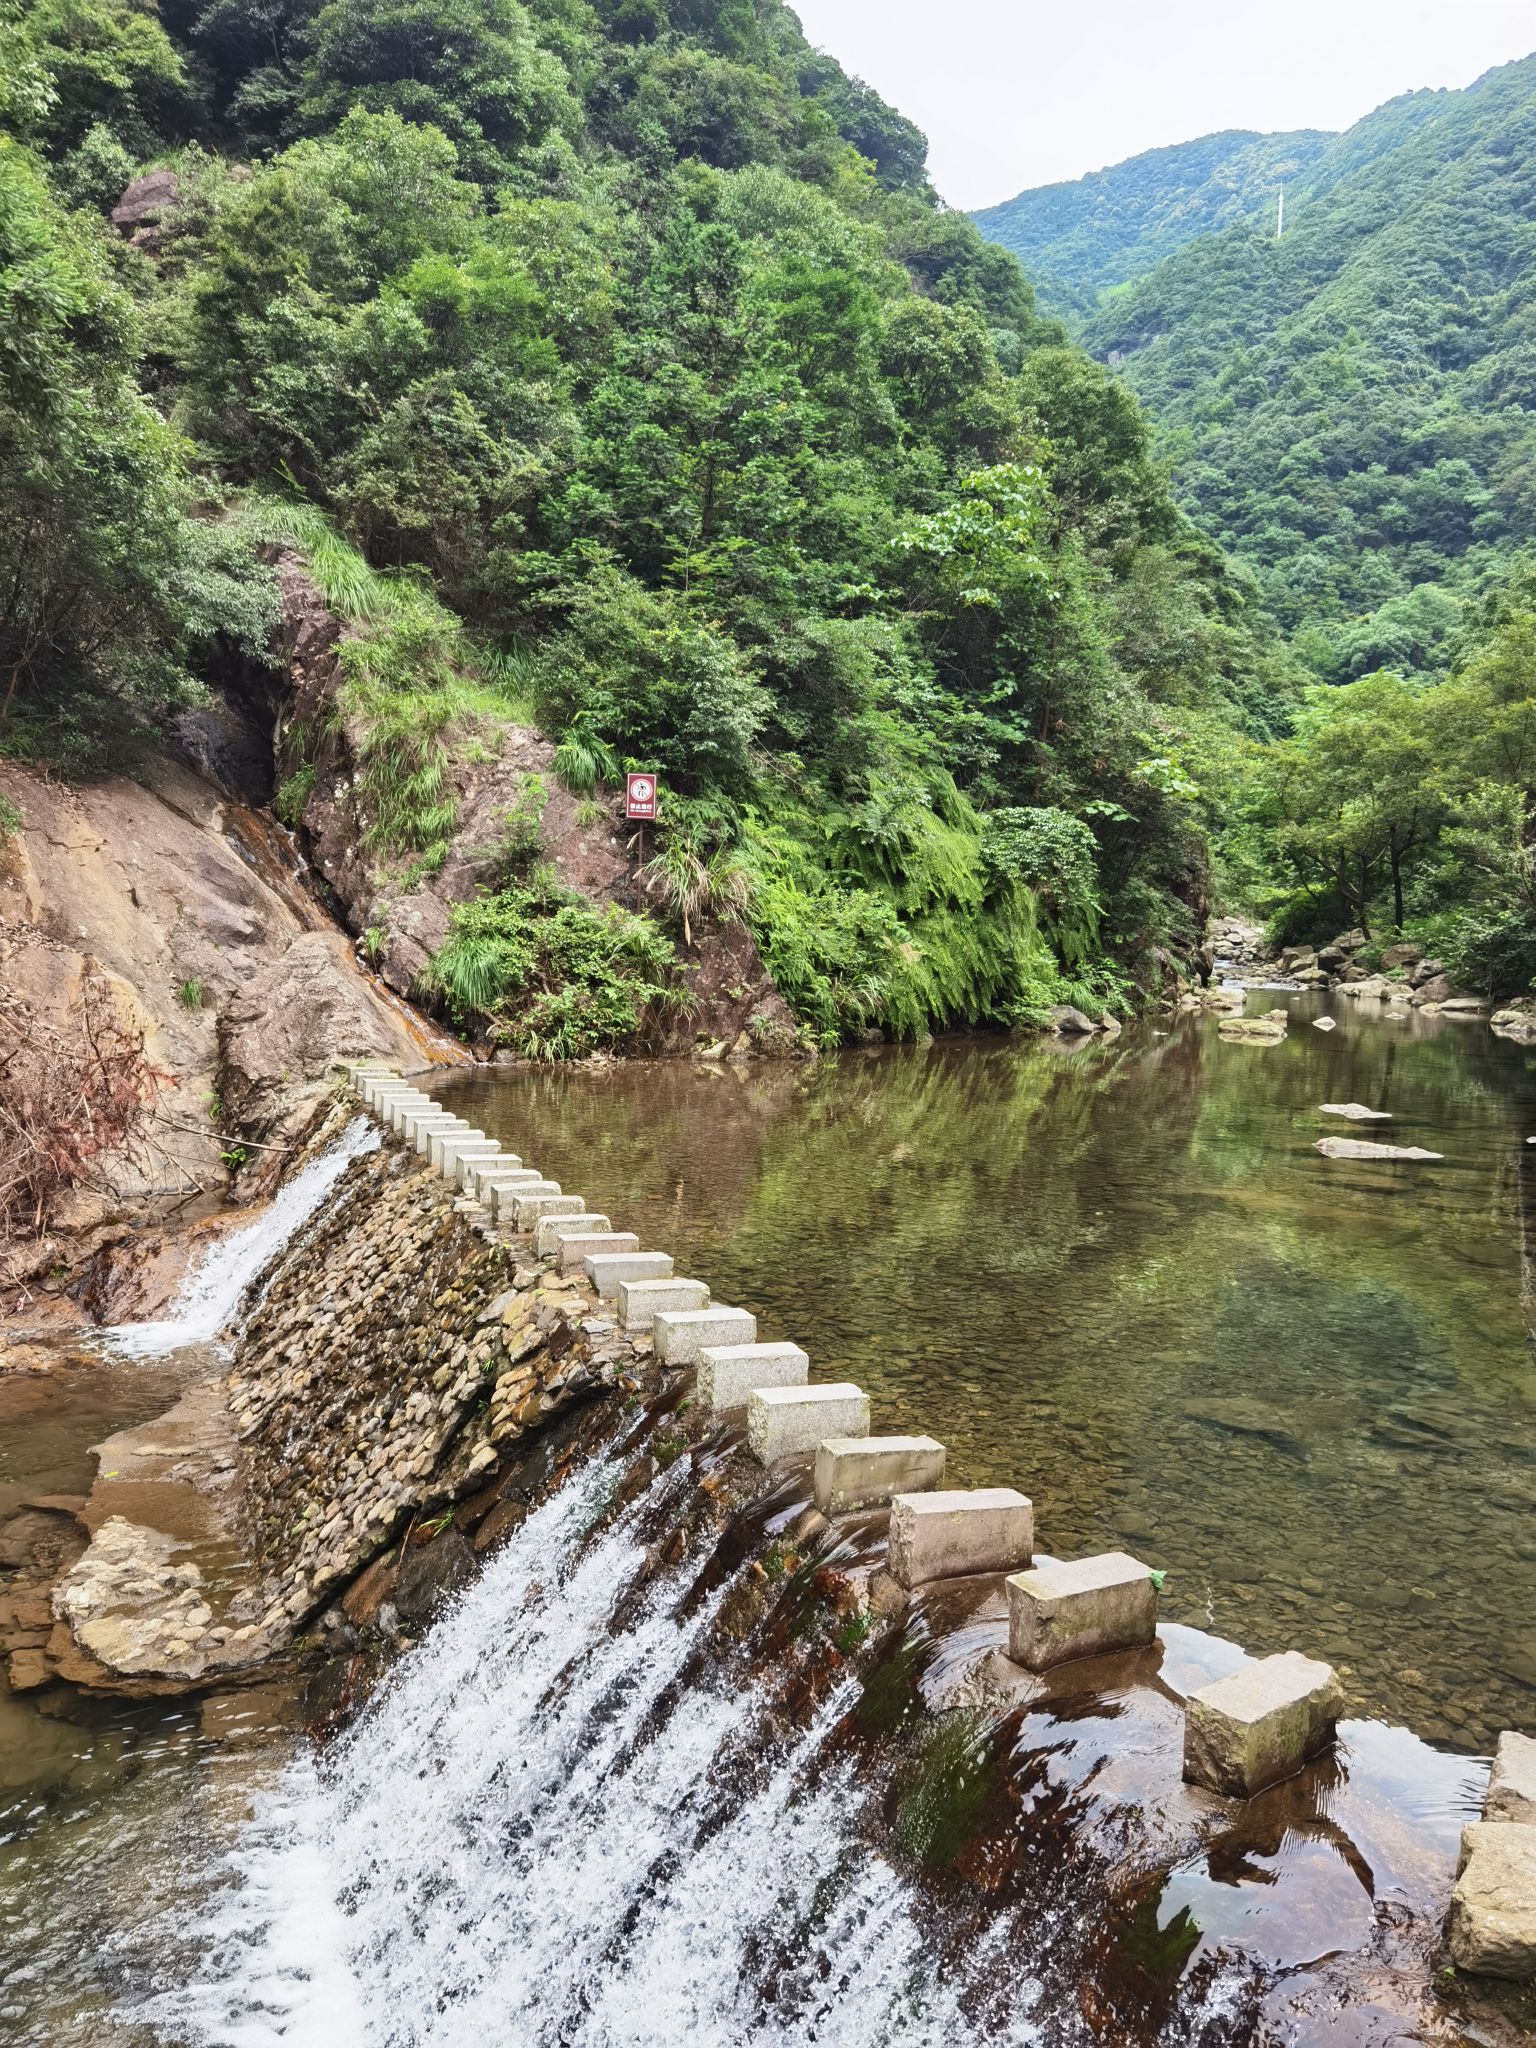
[539, 1835]
[213, 1291]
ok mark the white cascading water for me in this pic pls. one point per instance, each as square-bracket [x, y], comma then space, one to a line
[537, 1836]
[212, 1292]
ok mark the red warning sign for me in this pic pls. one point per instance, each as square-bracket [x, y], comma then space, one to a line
[640, 795]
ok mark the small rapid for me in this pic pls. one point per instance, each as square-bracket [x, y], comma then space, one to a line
[212, 1293]
[552, 1827]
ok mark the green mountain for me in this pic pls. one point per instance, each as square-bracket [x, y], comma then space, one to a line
[615, 370]
[1351, 409]
[1078, 238]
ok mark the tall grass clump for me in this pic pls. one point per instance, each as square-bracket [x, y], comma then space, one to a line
[416, 691]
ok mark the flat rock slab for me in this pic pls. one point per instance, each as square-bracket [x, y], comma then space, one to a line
[682, 1335]
[955, 1534]
[609, 1270]
[640, 1301]
[1512, 1784]
[729, 1374]
[1261, 1724]
[1362, 1148]
[1356, 1112]
[865, 1472]
[1087, 1607]
[787, 1422]
[1493, 1908]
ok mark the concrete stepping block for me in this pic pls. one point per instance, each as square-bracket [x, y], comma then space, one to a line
[609, 1270]
[682, 1334]
[640, 1300]
[549, 1230]
[789, 1422]
[505, 1196]
[399, 1108]
[1493, 1908]
[1086, 1607]
[1261, 1724]
[730, 1373]
[458, 1139]
[864, 1472]
[529, 1204]
[507, 1171]
[951, 1535]
[1512, 1783]
[420, 1130]
[374, 1087]
[572, 1253]
[458, 1160]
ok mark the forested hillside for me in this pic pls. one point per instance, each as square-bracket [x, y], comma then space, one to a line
[614, 367]
[1352, 409]
[1082, 237]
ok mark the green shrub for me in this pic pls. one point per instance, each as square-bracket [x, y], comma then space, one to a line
[11, 817]
[191, 994]
[549, 974]
[293, 794]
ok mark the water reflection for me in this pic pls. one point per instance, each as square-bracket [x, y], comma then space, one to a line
[1120, 1276]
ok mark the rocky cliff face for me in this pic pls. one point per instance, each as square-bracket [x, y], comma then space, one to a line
[157, 902]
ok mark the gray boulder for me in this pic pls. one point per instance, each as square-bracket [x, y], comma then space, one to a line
[1493, 1908]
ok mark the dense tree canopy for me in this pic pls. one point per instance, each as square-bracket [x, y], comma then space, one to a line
[630, 334]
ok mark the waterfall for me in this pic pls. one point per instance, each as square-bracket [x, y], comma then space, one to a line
[542, 1833]
[213, 1290]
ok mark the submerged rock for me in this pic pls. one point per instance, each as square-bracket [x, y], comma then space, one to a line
[1325, 1023]
[1356, 1112]
[1362, 1148]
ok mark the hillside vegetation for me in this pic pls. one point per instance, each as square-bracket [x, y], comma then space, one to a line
[1080, 238]
[1352, 409]
[613, 364]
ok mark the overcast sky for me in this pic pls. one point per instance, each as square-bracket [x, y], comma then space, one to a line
[1013, 93]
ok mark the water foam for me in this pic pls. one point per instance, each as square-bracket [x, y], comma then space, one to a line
[547, 1831]
[212, 1293]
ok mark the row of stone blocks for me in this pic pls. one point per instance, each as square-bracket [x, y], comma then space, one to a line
[1493, 1908]
[1242, 1733]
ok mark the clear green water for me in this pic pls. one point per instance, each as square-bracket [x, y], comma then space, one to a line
[1121, 1278]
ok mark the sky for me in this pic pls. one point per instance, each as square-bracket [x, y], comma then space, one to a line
[1015, 93]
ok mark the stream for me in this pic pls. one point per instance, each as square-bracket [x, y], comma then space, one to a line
[1116, 1274]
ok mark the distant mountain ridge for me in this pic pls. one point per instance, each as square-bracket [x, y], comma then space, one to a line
[1351, 410]
[1080, 237]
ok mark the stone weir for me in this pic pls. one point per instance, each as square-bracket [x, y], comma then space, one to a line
[454, 1328]
[586, 1309]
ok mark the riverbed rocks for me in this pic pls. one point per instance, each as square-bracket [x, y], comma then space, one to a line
[1268, 1030]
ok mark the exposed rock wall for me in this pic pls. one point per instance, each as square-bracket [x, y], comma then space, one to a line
[177, 901]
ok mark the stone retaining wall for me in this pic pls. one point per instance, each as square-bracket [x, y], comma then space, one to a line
[400, 1349]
